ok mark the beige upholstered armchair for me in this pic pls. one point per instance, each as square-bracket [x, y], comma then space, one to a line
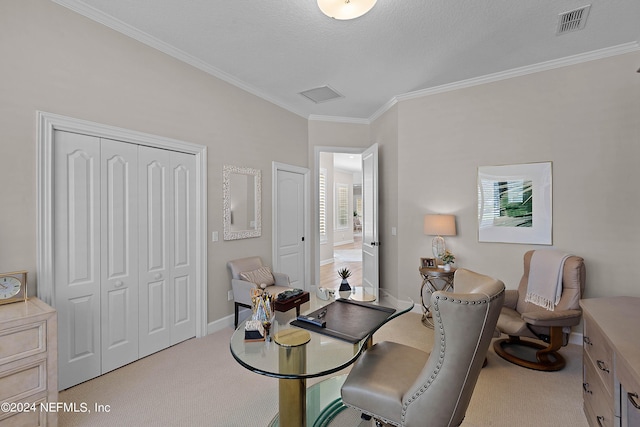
[525, 319]
[249, 273]
[404, 386]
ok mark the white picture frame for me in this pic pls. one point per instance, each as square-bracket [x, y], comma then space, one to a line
[515, 203]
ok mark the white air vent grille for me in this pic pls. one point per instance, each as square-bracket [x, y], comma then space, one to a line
[321, 94]
[573, 20]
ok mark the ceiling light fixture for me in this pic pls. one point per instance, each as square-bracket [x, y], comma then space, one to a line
[345, 9]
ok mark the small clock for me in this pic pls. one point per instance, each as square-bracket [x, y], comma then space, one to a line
[13, 287]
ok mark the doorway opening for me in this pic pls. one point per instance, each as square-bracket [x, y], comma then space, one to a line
[339, 217]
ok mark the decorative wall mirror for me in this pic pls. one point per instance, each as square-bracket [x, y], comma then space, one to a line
[242, 189]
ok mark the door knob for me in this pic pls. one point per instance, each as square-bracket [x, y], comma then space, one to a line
[119, 283]
[158, 276]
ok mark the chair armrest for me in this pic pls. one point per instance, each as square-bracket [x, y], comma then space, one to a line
[553, 318]
[511, 298]
[242, 291]
[281, 279]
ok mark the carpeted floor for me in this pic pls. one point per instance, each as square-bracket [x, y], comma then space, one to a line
[198, 383]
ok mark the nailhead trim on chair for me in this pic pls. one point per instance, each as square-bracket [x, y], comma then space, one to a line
[424, 387]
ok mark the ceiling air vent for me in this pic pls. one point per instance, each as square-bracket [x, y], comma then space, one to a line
[573, 20]
[321, 94]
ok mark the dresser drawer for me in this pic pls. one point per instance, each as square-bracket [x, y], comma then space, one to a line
[22, 379]
[22, 341]
[596, 398]
[629, 396]
[28, 418]
[597, 349]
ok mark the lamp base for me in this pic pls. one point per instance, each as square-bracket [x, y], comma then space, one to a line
[437, 246]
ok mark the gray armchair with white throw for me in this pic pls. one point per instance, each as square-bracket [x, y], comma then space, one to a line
[249, 273]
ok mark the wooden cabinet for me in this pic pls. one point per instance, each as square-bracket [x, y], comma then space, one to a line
[28, 363]
[611, 361]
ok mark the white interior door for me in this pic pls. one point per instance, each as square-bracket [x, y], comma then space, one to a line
[183, 274]
[370, 242]
[290, 226]
[76, 256]
[156, 247]
[119, 249]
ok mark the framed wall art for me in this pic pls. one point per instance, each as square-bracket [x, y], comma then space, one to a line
[515, 203]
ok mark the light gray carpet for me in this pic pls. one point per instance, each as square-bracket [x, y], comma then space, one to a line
[198, 383]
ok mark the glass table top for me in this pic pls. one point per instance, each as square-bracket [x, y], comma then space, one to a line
[324, 354]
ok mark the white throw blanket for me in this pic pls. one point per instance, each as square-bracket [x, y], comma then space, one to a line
[545, 278]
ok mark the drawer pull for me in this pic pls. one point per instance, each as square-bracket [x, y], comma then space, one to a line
[632, 398]
[602, 366]
[600, 420]
[585, 386]
[587, 340]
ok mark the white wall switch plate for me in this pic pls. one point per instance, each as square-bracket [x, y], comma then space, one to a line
[230, 296]
[214, 236]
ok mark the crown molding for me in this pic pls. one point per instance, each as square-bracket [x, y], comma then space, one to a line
[338, 119]
[134, 33]
[522, 71]
[129, 31]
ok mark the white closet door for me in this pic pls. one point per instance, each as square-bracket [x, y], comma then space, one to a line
[183, 266]
[156, 247]
[119, 245]
[77, 256]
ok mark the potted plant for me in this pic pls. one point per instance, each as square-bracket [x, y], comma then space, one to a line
[447, 259]
[344, 289]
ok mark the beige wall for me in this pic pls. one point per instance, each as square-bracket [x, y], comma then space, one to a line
[584, 118]
[57, 61]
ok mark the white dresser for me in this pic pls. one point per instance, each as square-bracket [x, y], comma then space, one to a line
[611, 384]
[28, 363]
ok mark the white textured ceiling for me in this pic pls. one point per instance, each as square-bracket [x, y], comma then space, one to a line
[278, 48]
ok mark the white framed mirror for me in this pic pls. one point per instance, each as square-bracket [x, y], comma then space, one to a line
[242, 188]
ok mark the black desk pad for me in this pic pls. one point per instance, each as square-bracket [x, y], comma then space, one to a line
[348, 320]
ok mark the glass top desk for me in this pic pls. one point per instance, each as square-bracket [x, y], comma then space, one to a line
[304, 354]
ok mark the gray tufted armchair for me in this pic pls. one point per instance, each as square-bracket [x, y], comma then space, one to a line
[404, 386]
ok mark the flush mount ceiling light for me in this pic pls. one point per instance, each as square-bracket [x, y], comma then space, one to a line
[345, 9]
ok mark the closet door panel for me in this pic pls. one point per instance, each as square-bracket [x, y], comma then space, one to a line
[155, 248]
[119, 243]
[183, 265]
[77, 256]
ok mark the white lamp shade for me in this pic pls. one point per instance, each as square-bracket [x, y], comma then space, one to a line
[345, 9]
[440, 225]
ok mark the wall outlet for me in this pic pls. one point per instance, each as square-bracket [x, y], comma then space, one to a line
[230, 296]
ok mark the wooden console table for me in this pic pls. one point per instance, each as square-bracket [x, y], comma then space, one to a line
[611, 361]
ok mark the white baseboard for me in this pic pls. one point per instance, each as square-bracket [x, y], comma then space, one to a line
[345, 242]
[327, 261]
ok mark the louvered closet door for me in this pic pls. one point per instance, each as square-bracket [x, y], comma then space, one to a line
[119, 249]
[167, 248]
[77, 256]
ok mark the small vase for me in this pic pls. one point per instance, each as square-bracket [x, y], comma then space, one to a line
[345, 289]
[447, 267]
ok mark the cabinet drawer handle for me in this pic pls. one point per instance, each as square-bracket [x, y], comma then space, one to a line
[602, 366]
[600, 420]
[632, 398]
[587, 340]
[585, 386]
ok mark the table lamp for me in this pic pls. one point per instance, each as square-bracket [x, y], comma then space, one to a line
[439, 225]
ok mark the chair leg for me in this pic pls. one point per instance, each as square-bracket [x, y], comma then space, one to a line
[547, 357]
[235, 323]
[555, 342]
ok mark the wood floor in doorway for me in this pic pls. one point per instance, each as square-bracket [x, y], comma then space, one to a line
[329, 272]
